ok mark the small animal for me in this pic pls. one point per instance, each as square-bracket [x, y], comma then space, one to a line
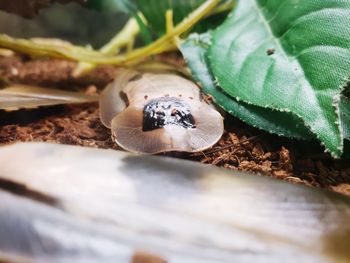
[153, 113]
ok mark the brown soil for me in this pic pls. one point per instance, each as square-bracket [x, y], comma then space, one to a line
[241, 147]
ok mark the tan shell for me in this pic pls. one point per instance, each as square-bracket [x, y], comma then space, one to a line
[122, 106]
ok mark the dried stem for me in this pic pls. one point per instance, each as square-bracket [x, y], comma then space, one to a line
[84, 55]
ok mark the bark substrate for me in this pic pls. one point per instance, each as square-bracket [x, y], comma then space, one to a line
[241, 147]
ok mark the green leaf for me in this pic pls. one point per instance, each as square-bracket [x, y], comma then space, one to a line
[282, 123]
[344, 106]
[290, 56]
[124, 6]
[154, 11]
[144, 30]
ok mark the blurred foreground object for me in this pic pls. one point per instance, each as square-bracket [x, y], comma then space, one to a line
[17, 96]
[29, 8]
[73, 204]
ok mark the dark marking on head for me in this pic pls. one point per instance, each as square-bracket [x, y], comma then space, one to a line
[191, 98]
[146, 97]
[124, 97]
[167, 111]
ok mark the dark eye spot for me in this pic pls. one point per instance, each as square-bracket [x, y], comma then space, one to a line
[191, 98]
[146, 97]
[167, 111]
[180, 95]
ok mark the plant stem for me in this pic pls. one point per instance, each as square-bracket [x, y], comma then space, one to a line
[82, 54]
[170, 27]
[225, 7]
[124, 38]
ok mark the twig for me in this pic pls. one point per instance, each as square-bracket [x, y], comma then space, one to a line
[85, 55]
[124, 38]
[231, 145]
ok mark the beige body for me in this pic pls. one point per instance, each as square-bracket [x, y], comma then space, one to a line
[123, 101]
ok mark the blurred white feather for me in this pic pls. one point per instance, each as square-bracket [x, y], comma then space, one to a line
[73, 204]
